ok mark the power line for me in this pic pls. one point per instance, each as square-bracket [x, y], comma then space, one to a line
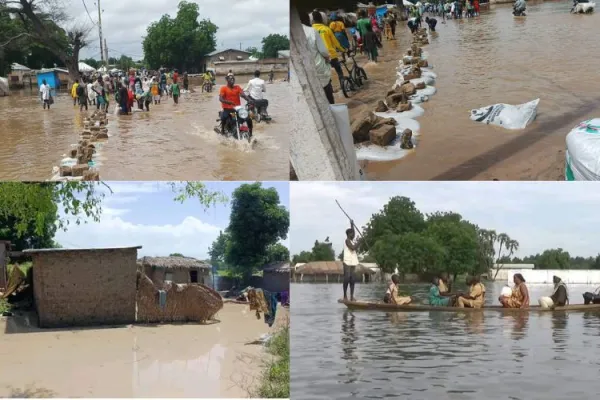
[88, 13]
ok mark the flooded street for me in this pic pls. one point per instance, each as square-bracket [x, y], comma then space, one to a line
[495, 58]
[187, 360]
[171, 142]
[340, 354]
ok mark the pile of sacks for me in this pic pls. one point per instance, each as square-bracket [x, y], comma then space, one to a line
[79, 163]
[387, 125]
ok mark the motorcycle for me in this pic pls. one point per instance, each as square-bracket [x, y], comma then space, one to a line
[207, 87]
[519, 8]
[236, 124]
[258, 110]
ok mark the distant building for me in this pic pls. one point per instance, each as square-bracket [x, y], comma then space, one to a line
[175, 269]
[20, 75]
[504, 268]
[276, 277]
[227, 55]
[283, 54]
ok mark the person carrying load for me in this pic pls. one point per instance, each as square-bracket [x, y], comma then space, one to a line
[560, 296]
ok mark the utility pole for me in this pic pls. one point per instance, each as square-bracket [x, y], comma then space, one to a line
[100, 33]
[106, 52]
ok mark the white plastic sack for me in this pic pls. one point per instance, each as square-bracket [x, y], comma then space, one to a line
[507, 115]
[506, 291]
[422, 95]
[584, 7]
[583, 152]
[68, 162]
[392, 152]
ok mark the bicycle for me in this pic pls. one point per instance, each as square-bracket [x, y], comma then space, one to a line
[355, 77]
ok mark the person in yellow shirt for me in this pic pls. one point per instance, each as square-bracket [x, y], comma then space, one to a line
[74, 92]
[331, 42]
[476, 296]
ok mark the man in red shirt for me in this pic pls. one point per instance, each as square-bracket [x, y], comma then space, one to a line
[229, 96]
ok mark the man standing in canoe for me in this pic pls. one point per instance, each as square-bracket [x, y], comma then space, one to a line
[476, 296]
[350, 259]
[560, 296]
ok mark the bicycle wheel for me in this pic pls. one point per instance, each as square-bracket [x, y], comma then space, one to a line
[346, 86]
[362, 74]
[356, 77]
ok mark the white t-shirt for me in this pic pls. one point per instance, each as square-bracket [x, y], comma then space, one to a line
[256, 88]
[45, 91]
[319, 51]
[350, 256]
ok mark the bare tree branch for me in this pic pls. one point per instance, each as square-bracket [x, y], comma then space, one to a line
[14, 38]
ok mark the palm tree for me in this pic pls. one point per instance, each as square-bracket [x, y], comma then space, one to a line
[509, 245]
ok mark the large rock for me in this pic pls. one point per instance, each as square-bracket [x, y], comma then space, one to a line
[381, 107]
[406, 141]
[79, 169]
[409, 89]
[361, 127]
[383, 135]
[395, 99]
[66, 171]
[420, 86]
[91, 175]
[422, 63]
[404, 107]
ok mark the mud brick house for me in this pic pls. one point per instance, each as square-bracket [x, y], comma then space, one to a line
[276, 277]
[85, 286]
[175, 269]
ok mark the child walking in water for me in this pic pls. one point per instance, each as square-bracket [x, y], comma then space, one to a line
[175, 92]
[371, 43]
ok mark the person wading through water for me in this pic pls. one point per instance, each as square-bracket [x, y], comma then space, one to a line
[350, 261]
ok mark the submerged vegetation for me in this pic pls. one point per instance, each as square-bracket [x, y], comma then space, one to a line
[275, 382]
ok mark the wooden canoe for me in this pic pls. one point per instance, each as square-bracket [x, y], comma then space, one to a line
[362, 305]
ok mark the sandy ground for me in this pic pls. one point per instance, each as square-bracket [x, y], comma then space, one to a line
[188, 360]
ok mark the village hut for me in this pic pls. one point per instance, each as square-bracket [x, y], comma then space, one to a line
[276, 277]
[175, 269]
[328, 272]
[75, 287]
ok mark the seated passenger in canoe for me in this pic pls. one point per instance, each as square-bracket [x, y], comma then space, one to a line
[559, 297]
[438, 298]
[520, 295]
[392, 296]
[476, 296]
[445, 284]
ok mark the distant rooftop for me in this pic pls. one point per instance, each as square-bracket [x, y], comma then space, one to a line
[214, 53]
[36, 251]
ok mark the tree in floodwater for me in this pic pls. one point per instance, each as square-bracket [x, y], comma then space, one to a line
[257, 223]
[180, 42]
[41, 23]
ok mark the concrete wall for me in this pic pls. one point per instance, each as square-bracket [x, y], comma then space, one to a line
[85, 287]
[248, 67]
[229, 55]
[157, 275]
[579, 276]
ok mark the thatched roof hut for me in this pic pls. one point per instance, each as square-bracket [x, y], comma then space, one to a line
[328, 268]
[173, 262]
[176, 269]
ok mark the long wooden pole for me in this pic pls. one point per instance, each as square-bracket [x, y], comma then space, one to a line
[355, 227]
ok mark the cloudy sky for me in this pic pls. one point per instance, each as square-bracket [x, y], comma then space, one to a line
[124, 23]
[144, 214]
[539, 215]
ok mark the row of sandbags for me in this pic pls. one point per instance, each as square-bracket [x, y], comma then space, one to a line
[393, 128]
[79, 163]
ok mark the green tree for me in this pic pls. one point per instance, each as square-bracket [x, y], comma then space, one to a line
[596, 264]
[176, 255]
[553, 259]
[179, 42]
[322, 251]
[255, 52]
[410, 252]
[91, 62]
[303, 257]
[257, 221]
[43, 23]
[217, 250]
[277, 253]
[273, 43]
[125, 63]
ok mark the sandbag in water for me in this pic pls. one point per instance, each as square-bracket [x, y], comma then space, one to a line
[583, 152]
[506, 115]
[414, 112]
[393, 151]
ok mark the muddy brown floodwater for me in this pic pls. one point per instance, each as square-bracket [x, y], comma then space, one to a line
[496, 58]
[171, 142]
[186, 360]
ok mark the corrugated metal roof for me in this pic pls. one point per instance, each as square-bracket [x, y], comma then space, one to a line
[19, 67]
[214, 53]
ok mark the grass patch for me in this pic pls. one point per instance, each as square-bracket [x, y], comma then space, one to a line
[4, 306]
[275, 382]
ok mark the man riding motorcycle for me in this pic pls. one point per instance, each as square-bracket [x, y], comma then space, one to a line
[207, 77]
[519, 7]
[229, 96]
[255, 89]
